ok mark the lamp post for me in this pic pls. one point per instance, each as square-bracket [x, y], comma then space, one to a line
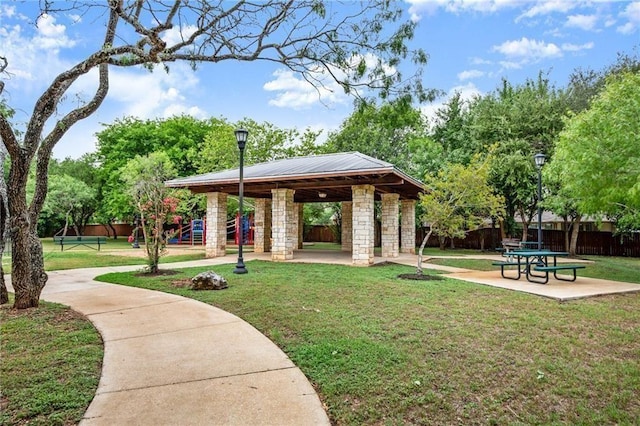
[241, 138]
[539, 159]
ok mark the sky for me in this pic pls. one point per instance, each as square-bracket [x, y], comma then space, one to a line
[472, 45]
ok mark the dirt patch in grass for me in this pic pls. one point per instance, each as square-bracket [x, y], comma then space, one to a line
[160, 273]
[184, 283]
[419, 277]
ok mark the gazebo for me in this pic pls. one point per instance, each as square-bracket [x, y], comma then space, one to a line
[281, 187]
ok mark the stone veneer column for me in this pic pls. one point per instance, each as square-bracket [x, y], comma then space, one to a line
[363, 223]
[216, 240]
[300, 225]
[262, 222]
[284, 224]
[390, 223]
[408, 227]
[347, 225]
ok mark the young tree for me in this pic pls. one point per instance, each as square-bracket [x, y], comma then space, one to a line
[458, 199]
[155, 203]
[318, 39]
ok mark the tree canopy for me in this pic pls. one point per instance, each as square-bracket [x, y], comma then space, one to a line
[598, 153]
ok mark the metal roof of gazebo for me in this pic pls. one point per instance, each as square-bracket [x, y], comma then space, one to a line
[314, 178]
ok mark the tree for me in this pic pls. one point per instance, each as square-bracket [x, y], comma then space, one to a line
[384, 132]
[4, 216]
[67, 197]
[458, 199]
[513, 124]
[598, 153]
[181, 137]
[318, 40]
[266, 143]
[155, 203]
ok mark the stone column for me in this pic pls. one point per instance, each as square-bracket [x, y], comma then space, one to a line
[408, 227]
[390, 223]
[347, 225]
[363, 223]
[284, 221]
[300, 225]
[262, 222]
[216, 240]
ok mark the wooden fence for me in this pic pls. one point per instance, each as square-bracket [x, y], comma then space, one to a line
[589, 242]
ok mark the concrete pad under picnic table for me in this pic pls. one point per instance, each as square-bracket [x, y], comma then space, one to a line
[554, 289]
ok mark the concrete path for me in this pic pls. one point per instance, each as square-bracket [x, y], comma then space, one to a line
[169, 360]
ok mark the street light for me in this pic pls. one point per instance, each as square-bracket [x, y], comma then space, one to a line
[241, 137]
[539, 159]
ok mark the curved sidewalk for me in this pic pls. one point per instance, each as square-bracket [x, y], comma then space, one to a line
[170, 360]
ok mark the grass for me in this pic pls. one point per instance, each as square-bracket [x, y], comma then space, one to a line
[115, 252]
[380, 350]
[51, 363]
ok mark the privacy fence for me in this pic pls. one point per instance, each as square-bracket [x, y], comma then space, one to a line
[589, 242]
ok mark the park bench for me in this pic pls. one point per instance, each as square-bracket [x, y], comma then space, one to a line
[557, 268]
[74, 241]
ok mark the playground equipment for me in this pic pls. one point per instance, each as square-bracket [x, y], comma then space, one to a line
[245, 228]
[194, 233]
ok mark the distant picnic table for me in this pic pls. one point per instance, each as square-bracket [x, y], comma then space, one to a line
[72, 241]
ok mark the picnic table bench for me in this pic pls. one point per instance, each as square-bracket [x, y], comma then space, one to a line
[527, 261]
[74, 241]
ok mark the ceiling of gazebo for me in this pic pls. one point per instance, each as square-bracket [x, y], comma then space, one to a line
[311, 177]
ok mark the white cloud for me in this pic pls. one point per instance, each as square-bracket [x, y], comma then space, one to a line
[480, 61]
[568, 47]
[419, 8]
[632, 14]
[176, 34]
[51, 35]
[546, 7]
[293, 91]
[583, 22]
[526, 49]
[470, 74]
[33, 59]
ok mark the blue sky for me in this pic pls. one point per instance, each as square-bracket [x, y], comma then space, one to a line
[472, 45]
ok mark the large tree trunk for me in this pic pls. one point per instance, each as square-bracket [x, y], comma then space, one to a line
[574, 236]
[4, 294]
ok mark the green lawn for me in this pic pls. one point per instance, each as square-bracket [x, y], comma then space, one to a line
[51, 363]
[381, 350]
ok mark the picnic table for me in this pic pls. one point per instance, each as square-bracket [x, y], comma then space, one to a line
[74, 241]
[528, 262]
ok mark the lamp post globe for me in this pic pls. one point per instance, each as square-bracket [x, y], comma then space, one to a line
[539, 159]
[241, 138]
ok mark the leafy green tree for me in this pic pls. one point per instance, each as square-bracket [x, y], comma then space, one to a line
[155, 203]
[180, 137]
[266, 143]
[68, 197]
[513, 124]
[458, 199]
[384, 132]
[598, 153]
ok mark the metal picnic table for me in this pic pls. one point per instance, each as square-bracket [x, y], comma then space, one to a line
[527, 261]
